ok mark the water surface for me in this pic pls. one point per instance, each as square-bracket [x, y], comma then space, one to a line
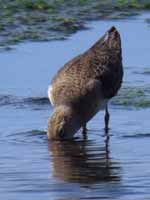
[33, 168]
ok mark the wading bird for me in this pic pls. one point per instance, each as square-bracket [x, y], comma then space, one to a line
[84, 85]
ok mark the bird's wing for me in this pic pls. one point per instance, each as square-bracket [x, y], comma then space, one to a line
[67, 93]
[90, 95]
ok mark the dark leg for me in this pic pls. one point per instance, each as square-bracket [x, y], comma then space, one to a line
[106, 119]
[107, 145]
[84, 131]
[106, 132]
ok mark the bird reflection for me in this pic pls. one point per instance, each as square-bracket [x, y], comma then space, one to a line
[82, 161]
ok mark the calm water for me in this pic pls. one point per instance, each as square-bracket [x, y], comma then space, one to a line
[33, 168]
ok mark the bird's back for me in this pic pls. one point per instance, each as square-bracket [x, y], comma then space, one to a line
[99, 63]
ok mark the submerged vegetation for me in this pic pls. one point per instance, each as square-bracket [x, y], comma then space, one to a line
[146, 70]
[22, 20]
[137, 97]
[133, 97]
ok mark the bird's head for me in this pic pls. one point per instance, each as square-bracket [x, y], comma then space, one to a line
[62, 124]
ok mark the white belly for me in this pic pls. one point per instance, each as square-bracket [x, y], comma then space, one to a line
[50, 96]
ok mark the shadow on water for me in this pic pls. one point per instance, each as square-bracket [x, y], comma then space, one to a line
[83, 161]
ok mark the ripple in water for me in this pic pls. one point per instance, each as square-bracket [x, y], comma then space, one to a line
[33, 136]
[137, 135]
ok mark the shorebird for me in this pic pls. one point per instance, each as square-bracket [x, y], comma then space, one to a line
[84, 85]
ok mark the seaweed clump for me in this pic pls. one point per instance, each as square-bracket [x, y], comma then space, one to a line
[55, 19]
[133, 97]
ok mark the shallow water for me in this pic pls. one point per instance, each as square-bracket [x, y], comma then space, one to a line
[33, 168]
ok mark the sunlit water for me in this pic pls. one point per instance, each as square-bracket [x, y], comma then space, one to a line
[33, 168]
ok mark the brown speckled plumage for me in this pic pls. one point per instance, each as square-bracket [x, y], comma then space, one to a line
[89, 78]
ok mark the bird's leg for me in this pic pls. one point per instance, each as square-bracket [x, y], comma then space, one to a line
[84, 131]
[107, 145]
[106, 119]
[106, 133]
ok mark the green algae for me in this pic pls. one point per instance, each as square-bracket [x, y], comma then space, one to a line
[67, 24]
[133, 97]
[144, 71]
[38, 5]
[58, 18]
[128, 14]
[36, 131]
